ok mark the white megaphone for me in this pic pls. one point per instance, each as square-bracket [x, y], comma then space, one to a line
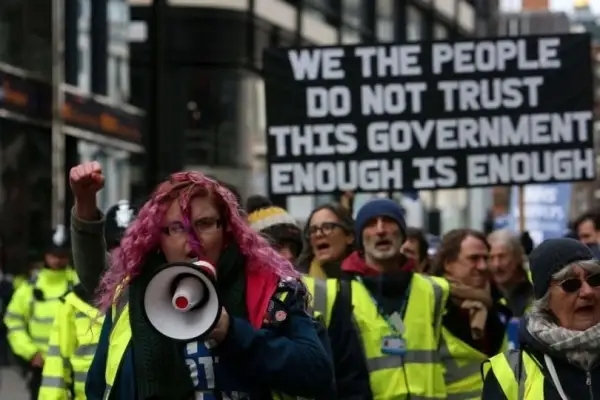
[181, 300]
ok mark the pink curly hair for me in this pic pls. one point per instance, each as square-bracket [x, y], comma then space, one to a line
[143, 235]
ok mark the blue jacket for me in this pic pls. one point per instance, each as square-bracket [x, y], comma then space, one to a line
[294, 362]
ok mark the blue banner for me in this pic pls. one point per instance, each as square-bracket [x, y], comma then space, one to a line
[546, 210]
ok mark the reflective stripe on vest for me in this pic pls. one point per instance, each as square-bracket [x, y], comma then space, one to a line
[74, 350]
[462, 364]
[120, 335]
[323, 295]
[420, 371]
[518, 380]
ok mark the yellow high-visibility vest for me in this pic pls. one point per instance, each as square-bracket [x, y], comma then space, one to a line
[72, 346]
[29, 319]
[462, 364]
[518, 382]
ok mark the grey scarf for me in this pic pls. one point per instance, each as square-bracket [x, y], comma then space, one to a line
[581, 348]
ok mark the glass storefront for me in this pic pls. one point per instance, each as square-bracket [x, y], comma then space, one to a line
[25, 192]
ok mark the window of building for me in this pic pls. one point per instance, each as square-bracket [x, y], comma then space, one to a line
[216, 121]
[26, 40]
[440, 32]
[84, 46]
[353, 20]
[385, 21]
[414, 26]
[320, 9]
[118, 59]
[84, 77]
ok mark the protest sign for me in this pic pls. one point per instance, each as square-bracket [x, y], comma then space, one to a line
[431, 115]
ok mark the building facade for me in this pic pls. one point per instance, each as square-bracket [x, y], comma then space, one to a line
[91, 121]
[216, 107]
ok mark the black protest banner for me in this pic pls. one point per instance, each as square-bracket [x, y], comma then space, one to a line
[429, 115]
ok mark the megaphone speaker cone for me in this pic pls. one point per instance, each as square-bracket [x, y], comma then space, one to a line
[181, 301]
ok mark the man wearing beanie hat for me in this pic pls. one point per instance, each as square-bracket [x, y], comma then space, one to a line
[396, 310]
[560, 337]
[275, 224]
[380, 232]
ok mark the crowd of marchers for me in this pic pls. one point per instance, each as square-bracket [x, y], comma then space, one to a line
[337, 308]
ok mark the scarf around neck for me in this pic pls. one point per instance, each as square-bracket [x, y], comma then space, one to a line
[160, 368]
[581, 348]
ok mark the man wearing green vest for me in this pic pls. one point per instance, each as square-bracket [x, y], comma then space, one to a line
[474, 323]
[398, 312]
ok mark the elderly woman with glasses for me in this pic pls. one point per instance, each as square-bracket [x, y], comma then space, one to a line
[263, 346]
[559, 356]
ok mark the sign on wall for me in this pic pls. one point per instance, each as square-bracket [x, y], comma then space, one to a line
[430, 115]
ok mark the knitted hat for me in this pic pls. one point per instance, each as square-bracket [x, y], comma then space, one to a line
[378, 208]
[550, 257]
[273, 222]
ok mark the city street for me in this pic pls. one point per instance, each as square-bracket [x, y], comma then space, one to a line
[12, 386]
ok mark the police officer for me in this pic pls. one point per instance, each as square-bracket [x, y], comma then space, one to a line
[31, 311]
[77, 326]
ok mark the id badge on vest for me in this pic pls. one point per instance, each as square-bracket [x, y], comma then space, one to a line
[394, 344]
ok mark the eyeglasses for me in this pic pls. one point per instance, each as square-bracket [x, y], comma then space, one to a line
[201, 225]
[571, 285]
[325, 228]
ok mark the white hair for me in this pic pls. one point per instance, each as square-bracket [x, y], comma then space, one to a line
[507, 238]
[591, 266]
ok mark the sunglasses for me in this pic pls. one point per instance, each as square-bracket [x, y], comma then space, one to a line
[572, 285]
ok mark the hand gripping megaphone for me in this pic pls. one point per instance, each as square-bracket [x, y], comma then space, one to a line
[181, 300]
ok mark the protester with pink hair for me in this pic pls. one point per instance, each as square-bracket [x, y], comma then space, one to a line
[260, 347]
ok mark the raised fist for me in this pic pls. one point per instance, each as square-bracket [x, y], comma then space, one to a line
[86, 180]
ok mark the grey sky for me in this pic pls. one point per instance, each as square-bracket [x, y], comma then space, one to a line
[562, 5]
[567, 5]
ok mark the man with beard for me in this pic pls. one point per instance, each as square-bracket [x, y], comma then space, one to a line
[474, 325]
[398, 312]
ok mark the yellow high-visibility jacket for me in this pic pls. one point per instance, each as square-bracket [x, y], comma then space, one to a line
[73, 342]
[31, 311]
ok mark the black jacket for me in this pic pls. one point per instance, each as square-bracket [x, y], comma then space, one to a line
[351, 374]
[572, 378]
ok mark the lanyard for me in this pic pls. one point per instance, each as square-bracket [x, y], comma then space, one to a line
[396, 327]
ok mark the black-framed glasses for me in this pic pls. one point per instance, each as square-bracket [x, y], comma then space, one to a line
[571, 285]
[326, 228]
[200, 225]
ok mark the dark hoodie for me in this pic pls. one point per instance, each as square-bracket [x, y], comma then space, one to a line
[572, 378]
